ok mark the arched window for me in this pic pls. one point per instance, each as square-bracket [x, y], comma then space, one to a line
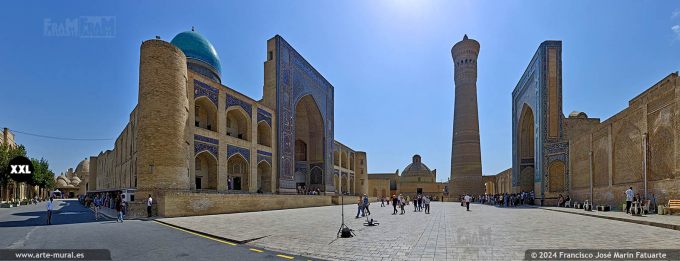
[238, 124]
[264, 134]
[205, 114]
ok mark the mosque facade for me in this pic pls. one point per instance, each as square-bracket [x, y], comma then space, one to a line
[584, 157]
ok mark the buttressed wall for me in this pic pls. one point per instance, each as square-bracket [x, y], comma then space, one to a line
[641, 141]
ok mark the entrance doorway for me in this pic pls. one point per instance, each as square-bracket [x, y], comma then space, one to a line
[198, 183]
[237, 183]
[526, 149]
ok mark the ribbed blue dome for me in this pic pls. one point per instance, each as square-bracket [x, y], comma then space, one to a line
[197, 47]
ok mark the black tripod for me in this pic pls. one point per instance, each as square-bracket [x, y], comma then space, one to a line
[370, 222]
[344, 231]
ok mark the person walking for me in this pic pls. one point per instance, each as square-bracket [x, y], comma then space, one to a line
[402, 203]
[394, 204]
[49, 211]
[119, 209]
[360, 207]
[426, 202]
[415, 204]
[149, 202]
[366, 203]
[629, 199]
[97, 205]
[125, 206]
[467, 202]
[382, 201]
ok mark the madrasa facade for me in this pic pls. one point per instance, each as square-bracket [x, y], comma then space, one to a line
[193, 142]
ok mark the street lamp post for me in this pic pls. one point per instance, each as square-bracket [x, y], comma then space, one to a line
[644, 161]
[590, 160]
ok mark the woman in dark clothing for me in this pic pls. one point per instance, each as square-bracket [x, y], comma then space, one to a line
[119, 208]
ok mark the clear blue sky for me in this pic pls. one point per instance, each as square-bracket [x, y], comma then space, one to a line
[389, 61]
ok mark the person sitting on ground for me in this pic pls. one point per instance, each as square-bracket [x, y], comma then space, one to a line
[560, 200]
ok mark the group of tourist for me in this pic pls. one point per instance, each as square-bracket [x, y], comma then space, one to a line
[635, 203]
[303, 190]
[505, 199]
[562, 200]
[362, 206]
[420, 203]
[112, 200]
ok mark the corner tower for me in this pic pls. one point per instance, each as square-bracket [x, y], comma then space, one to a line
[162, 118]
[466, 159]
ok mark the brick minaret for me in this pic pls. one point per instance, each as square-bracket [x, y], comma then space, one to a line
[466, 160]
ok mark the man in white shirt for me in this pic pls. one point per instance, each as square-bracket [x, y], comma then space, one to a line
[149, 201]
[629, 199]
[467, 199]
[426, 202]
[49, 211]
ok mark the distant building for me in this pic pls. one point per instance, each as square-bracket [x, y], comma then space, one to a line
[416, 179]
[73, 183]
[8, 137]
[14, 191]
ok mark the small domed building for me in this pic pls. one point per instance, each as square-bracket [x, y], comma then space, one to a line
[73, 183]
[415, 179]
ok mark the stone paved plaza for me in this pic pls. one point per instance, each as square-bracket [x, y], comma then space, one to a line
[449, 233]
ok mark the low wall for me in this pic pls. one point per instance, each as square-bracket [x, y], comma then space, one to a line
[178, 204]
[614, 195]
[137, 209]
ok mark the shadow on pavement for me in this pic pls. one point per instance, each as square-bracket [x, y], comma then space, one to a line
[69, 213]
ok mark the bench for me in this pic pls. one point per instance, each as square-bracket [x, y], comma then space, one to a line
[673, 205]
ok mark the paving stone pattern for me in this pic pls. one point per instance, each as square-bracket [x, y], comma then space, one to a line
[449, 233]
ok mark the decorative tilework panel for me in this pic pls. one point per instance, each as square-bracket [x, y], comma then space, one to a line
[263, 155]
[202, 89]
[231, 150]
[296, 78]
[233, 101]
[206, 139]
[263, 115]
[262, 152]
[261, 158]
[200, 147]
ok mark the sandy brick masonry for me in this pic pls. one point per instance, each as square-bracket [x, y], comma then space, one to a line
[449, 233]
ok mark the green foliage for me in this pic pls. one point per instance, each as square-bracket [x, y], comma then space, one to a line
[8, 153]
[42, 175]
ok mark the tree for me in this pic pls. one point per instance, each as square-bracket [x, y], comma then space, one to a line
[8, 153]
[43, 177]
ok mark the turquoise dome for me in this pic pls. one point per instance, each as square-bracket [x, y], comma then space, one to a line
[197, 47]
